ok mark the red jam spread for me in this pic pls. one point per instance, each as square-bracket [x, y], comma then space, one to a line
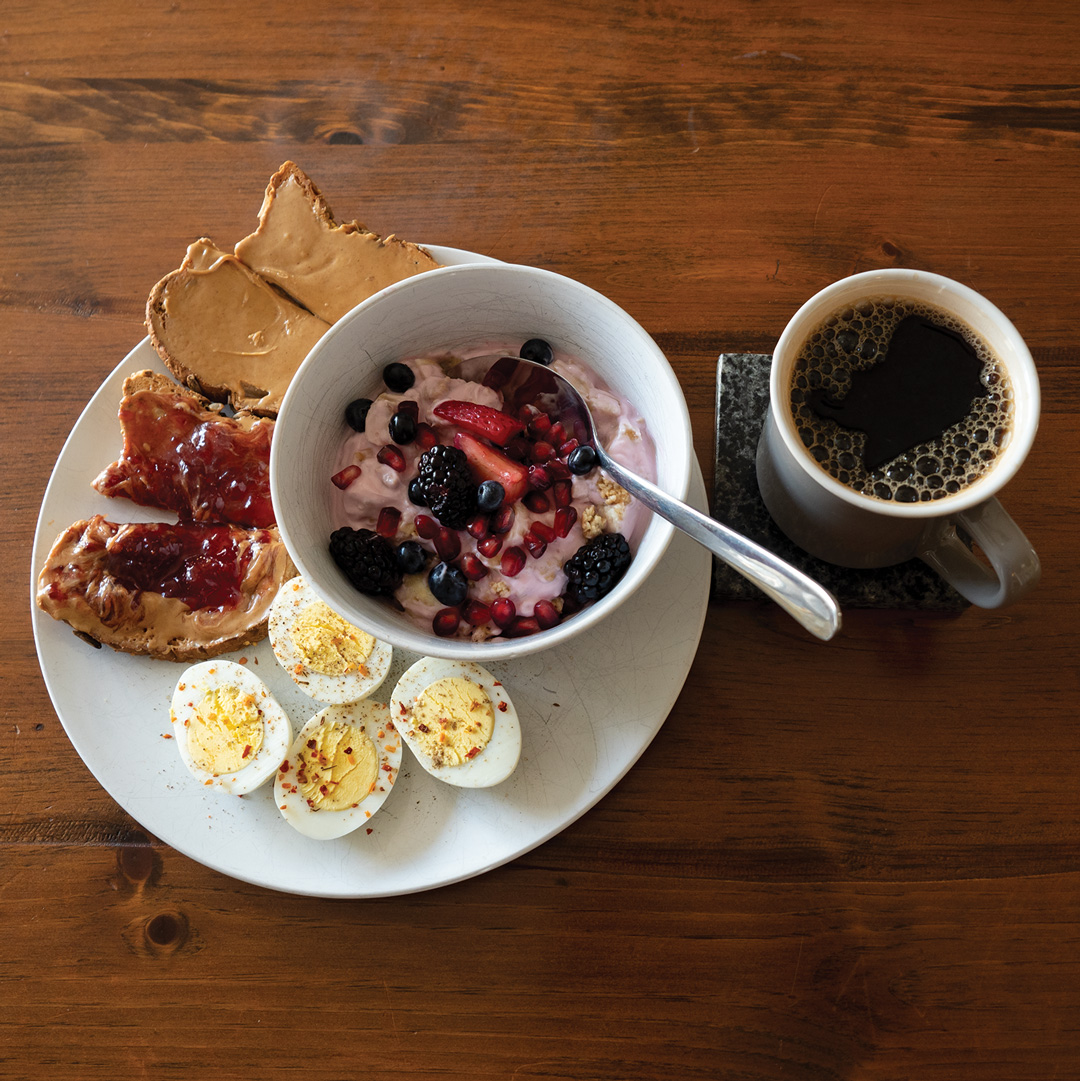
[203, 466]
[202, 566]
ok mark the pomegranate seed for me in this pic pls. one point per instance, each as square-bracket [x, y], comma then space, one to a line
[539, 478]
[477, 526]
[562, 492]
[565, 517]
[489, 546]
[445, 622]
[541, 451]
[502, 521]
[543, 531]
[503, 612]
[557, 470]
[537, 502]
[513, 562]
[546, 614]
[518, 448]
[535, 545]
[346, 476]
[540, 424]
[426, 526]
[557, 434]
[426, 437]
[407, 405]
[448, 544]
[568, 448]
[475, 613]
[522, 626]
[472, 568]
[527, 412]
[392, 456]
[389, 517]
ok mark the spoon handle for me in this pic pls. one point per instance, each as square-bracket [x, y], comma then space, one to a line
[799, 595]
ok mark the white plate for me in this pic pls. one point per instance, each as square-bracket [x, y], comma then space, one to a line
[588, 711]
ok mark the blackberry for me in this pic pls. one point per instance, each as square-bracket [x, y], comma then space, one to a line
[447, 486]
[367, 560]
[596, 567]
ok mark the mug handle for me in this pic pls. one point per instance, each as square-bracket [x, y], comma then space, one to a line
[1016, 567]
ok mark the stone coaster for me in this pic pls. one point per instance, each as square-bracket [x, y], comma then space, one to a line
[742, 399]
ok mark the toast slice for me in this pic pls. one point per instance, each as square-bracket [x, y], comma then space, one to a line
[183, 454]
[326, 266]
[172, 592]
[226, 333]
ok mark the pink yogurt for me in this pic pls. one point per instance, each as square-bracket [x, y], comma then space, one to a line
[621, 430]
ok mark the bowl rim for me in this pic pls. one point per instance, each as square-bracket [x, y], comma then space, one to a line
[397, 630]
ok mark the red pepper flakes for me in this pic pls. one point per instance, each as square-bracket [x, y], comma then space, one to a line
[503, 707]
[472, 753]
[247, 750]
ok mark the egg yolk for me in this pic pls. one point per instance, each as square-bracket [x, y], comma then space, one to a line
[337, 767]
[327, 644]
[225, 731]
[452, 721]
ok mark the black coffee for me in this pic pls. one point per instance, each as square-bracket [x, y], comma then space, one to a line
[900, 400]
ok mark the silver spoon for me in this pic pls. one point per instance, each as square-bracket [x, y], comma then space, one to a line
[525, 381]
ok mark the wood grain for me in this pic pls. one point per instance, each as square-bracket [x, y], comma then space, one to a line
[851, 861]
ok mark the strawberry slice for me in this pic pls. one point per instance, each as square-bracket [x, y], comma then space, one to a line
[480, 420]
[490, 464]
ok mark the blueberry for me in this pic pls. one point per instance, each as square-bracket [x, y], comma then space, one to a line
[537, 349]
[582, 460]
[356, 413]
[447, 584]
[398, 377]
[417, 494]
[489, 496]
[402, 428]
[411, 557]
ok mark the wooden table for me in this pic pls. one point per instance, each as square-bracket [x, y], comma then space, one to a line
[852, 860]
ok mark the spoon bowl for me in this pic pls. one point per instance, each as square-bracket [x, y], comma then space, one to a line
[523, 382]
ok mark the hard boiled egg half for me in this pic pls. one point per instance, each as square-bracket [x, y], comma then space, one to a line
[229, 729]
[459, 722]
[327, 658]
[339, 770]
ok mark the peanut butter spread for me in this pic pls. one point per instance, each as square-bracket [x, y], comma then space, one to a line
[329, 268]
[223, 330]
[338, 767]
[76, 586]
[452, 720]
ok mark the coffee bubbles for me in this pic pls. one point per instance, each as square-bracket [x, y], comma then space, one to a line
[924, 425]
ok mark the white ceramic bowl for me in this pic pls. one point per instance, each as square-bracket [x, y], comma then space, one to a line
[455, 307]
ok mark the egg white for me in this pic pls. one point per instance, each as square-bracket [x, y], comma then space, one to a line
[323, 825]
[292, 598]
[206, 676]
[497, 760]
